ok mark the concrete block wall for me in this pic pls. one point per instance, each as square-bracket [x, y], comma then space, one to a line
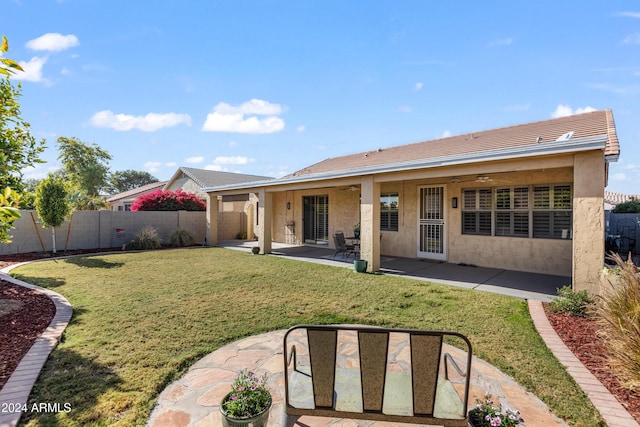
[102, 229]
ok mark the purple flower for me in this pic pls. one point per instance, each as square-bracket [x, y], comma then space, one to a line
[234, 397]
[240, 388]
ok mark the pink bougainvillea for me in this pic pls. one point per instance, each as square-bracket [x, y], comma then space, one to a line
[161, 200]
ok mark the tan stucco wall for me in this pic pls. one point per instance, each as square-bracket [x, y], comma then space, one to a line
[548, 256]
[588, 221]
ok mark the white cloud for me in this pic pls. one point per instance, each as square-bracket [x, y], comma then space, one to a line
[220, 163]
[620, 176]
[301, 128]
[565, 110]
[65, 71]
[404, 109]
[446, 134]
[419, 86]
[195, 159]
[629, 14]
[235, 160]
[254, 106]
[618, 90]
[148, 123]
[38, 171]
[153, 167]
[632, 39]
[233, 144]
[32, 70]
[501, 42]
[53, 42]
[229, 118]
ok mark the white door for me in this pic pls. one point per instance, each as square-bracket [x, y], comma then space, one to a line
[431, 223]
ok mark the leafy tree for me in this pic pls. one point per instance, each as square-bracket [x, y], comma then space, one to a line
[126, 180]
[84, 202]
[86, 166]
[8, 66]
[632, 206]
[9, 202]
[161, 200]
[18, 149]
[52, 204]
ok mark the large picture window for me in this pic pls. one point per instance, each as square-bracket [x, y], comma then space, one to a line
[389, 212]
[538, 211]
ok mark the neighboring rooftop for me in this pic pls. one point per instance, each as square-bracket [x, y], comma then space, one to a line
[132, 194]
[210, 178]
[614, 198]
[593, 124]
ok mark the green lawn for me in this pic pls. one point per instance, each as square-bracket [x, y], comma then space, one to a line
[141, 319]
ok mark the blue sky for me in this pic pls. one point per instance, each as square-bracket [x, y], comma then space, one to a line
[268, 87]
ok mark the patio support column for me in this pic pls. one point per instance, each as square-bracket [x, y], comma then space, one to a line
[264, 221]
[588, 221]
[370, 223]
[212, 219]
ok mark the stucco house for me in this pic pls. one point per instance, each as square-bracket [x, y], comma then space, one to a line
[192, 180]
[122, 202]
[525, 198]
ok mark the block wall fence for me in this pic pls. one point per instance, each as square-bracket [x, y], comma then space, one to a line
[112, 229]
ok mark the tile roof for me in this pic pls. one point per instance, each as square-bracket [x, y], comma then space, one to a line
[137, 191]
[210, 178]
[596, 123]
[615, 198]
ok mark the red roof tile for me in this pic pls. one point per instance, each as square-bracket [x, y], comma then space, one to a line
[596, 123]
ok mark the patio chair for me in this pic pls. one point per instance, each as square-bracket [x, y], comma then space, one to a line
[342, 246]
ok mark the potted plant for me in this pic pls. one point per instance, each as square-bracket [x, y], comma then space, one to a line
[484, 414]
[248, 403]
[356, 231]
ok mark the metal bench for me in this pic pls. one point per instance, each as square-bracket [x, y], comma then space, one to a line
[370, 373]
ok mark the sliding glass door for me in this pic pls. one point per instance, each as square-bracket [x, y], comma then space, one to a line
[316, 219]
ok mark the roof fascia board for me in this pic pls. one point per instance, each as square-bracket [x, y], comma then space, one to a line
[549, 148]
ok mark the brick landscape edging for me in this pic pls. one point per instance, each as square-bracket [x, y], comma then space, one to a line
[15, 393]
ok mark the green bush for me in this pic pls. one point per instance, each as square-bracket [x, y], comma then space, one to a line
[574, 303]
[241, 235]
[147, 238]
[181, 238]
[619, 316]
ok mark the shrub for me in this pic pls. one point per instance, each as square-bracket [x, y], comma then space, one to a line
[147, 238]
[574, 303]
[182, 237]
[619, 316]
[161, 200]
[632, 206]
[241, 235]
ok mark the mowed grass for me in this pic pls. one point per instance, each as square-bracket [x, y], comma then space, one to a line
[141, 319]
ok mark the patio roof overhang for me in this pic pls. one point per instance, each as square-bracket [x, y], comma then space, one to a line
[546, 149]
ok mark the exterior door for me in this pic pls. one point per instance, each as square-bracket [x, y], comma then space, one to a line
[316, 219]
[432, 234]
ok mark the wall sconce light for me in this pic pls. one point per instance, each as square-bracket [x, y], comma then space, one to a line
[454, 202]
[288, 205]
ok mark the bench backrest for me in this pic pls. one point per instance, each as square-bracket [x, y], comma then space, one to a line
[319, 364]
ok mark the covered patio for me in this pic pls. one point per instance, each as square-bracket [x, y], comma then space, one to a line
[526, 198]
[530, 286]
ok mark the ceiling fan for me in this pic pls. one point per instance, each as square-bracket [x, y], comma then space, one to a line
[478, 178]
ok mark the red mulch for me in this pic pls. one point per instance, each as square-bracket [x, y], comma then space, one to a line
[28, 313]
[20, 328]
[580, 335]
